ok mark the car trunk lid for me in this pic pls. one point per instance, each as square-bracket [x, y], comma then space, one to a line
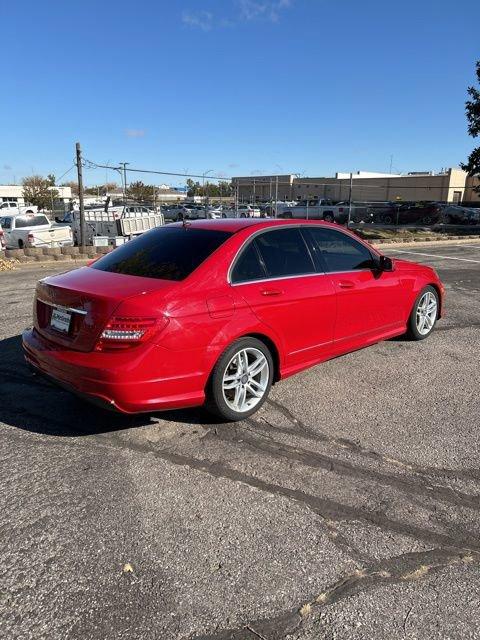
[85, 299]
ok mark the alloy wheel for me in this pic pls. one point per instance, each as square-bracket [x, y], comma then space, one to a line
[245, 380]
[426, 313]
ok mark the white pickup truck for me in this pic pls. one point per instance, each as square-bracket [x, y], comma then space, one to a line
[321, 209]
[33, 230]
[15, 208]
[117, 221]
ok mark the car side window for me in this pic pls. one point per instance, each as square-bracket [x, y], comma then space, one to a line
[6, 223]
[339, 252]
[248, 266]
[284, 253]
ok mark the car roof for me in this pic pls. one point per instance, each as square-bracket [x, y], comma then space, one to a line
[237, 224]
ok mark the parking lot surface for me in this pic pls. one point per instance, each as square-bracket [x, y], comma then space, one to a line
[347, 508]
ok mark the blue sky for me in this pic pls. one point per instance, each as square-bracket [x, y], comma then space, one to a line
[237, 86]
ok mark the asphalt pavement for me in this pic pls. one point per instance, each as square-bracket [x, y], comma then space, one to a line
[347, 508]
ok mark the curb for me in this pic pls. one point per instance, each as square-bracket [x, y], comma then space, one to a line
[424, 243]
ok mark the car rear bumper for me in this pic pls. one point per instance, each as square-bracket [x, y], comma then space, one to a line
[127, 382]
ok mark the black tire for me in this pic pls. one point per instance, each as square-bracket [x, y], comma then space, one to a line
[215, 402]
[20, 244]
[412, 330]
[328, 217]
[387, 220]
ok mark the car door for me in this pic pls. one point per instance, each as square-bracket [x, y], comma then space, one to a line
[370, 302]
[276, 276]
[6, 224]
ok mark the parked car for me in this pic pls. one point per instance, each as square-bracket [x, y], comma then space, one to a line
[425, 213]
[248, 211]
[455, 214]
[217, 311]
[315, 209]
[34, 230]
[14, 208]
[191, 212]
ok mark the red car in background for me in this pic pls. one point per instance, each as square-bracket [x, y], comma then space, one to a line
[213, 312]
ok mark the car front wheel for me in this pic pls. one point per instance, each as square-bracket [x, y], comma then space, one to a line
[424, 314]
[240, 380]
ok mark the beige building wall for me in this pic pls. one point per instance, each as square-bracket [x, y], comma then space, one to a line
[470, 194]
[449, 187]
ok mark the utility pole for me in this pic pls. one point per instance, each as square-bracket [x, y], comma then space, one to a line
[124, 164]
[80, 197]
[276, 196]
[350, 199]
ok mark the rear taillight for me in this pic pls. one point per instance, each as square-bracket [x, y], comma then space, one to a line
[125, 333]
[30, 238]
[2, 239]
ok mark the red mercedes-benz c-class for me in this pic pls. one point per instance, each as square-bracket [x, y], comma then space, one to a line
[216, 311]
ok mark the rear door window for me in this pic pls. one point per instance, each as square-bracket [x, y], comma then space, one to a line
[21, 222]
[248, 266]
[339, 252]
[167, 253]
[284, 253]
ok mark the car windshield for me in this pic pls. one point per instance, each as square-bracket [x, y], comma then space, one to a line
[22, 222]
[167, 253]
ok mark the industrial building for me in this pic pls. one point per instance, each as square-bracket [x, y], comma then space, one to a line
[450, 185]
[14, 193]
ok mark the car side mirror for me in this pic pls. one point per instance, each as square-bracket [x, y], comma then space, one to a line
[386, 264]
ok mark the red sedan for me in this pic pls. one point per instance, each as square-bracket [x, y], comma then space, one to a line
[213, 312]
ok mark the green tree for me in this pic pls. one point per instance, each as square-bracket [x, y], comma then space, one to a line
[472, 108]
[39, 191]
[139, 191]
[193, 188]
[51, 179]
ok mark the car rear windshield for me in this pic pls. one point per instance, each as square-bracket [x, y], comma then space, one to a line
[21, 222]
[168, 253]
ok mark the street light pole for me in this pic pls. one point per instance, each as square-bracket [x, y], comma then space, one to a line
[204, 197]
[350, 200]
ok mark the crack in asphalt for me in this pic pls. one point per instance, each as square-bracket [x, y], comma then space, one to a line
[460, 546]
[407, 567]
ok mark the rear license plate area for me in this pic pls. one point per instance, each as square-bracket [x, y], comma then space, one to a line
[61, 320]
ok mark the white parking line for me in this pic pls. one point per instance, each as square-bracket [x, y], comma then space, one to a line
[434, 255]
[469, 246]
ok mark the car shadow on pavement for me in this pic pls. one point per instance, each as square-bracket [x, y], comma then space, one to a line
[32, 403]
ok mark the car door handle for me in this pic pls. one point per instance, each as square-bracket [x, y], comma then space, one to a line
[271, 292]
[346, 284]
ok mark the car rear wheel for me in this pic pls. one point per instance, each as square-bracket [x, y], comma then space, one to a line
[241, 380]
[424, 314]
[328, 217]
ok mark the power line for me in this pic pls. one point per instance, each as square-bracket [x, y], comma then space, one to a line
[89, 164]
[68, 171]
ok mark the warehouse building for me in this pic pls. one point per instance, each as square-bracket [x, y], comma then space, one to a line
[450, 185]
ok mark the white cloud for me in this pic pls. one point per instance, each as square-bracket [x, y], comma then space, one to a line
[251, 10]
[135, 133]
[242, 11]
[198, 19]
